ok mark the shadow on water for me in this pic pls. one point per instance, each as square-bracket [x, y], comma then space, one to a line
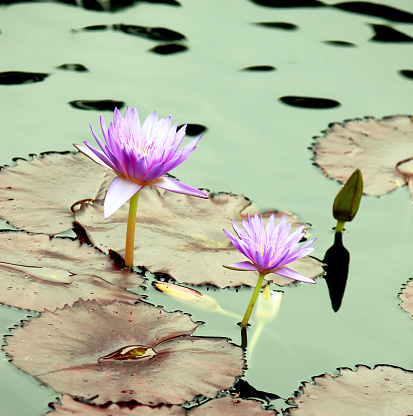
[337, 260]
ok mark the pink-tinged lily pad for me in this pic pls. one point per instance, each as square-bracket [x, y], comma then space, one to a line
[73, 407]
[37, 195]
[182, 236]
[37, 272]
[230, 406]
[123, 352]
[407, 297]
[383, 391]
[381, 149]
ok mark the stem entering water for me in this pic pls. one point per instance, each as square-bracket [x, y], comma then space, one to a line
[340, 226]
[253, 300]
[130, 231]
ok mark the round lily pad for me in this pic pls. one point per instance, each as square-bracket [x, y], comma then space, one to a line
[407, 297]
[37, 272]
[37, 195]
[121, 352]
[183, 236]
[381, 149]
[383, 391]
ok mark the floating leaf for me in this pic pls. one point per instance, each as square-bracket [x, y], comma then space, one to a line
[407, 297]
[383, 391]
[154, 33]
[374, 9]
[37, 195]
[38, 273]
[376, 147]
[19, 77]
[193, 129]
[70, 406]
[309, 102]
[182, 236]
[279, 25]
[259, 68]
[73, 67]
[230, 406]
[385, 33]
[169, 48]
[97, 105]
[64, 350]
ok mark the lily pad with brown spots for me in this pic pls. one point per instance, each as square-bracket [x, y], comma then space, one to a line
[37, 195]
[183, 236]
[37, 272]
[123, 352]
[381, 149]
[383, 391]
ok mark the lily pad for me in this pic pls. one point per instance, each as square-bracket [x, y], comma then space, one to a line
[182, 236]
[407, 297]
[383, 391]
[70, 406]
[123, 352]
[229, 406]
[37, 272]
[37, 195]
[381, 149]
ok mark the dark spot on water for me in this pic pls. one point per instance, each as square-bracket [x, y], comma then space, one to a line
[259, 68]
[19, 77]
[100, 105]
[94, 28]
[385, 33]
[193, 129]
[169, 48]
[73, 67]
[154, 33]
[279, 25]
[111, 5]
[408, 73]
[289, 3]
[340, 43]
[374, 9]
[309, 102]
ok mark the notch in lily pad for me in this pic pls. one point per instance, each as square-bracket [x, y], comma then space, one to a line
[347, 201]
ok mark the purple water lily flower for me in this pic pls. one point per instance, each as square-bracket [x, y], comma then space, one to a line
[140, 156]
[269, 248]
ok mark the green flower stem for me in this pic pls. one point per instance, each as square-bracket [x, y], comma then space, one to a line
[130, 231]
[253, 300]
[340, 226]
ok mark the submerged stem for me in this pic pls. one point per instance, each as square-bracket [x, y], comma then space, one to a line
[340, 226]
[130, 231]
[253, 300]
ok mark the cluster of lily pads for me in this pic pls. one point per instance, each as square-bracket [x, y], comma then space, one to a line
[97, 342]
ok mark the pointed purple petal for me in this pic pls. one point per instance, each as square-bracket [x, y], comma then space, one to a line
[173, 185]
[93, 155]
[243, 266]
[291, 274]
[119, 191]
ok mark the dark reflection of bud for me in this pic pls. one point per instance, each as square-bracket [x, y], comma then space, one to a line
[336, 261]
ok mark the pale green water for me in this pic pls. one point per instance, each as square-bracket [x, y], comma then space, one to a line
[254, 145]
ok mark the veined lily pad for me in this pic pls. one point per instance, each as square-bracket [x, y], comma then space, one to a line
[182, 236]
[407, 297]
[72, 351]
[383, 391]
[37, 195]
[73, 407]
[230, 406]
[37, 272]
[381, 149]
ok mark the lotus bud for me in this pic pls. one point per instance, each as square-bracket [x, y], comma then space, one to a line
[347, 201]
